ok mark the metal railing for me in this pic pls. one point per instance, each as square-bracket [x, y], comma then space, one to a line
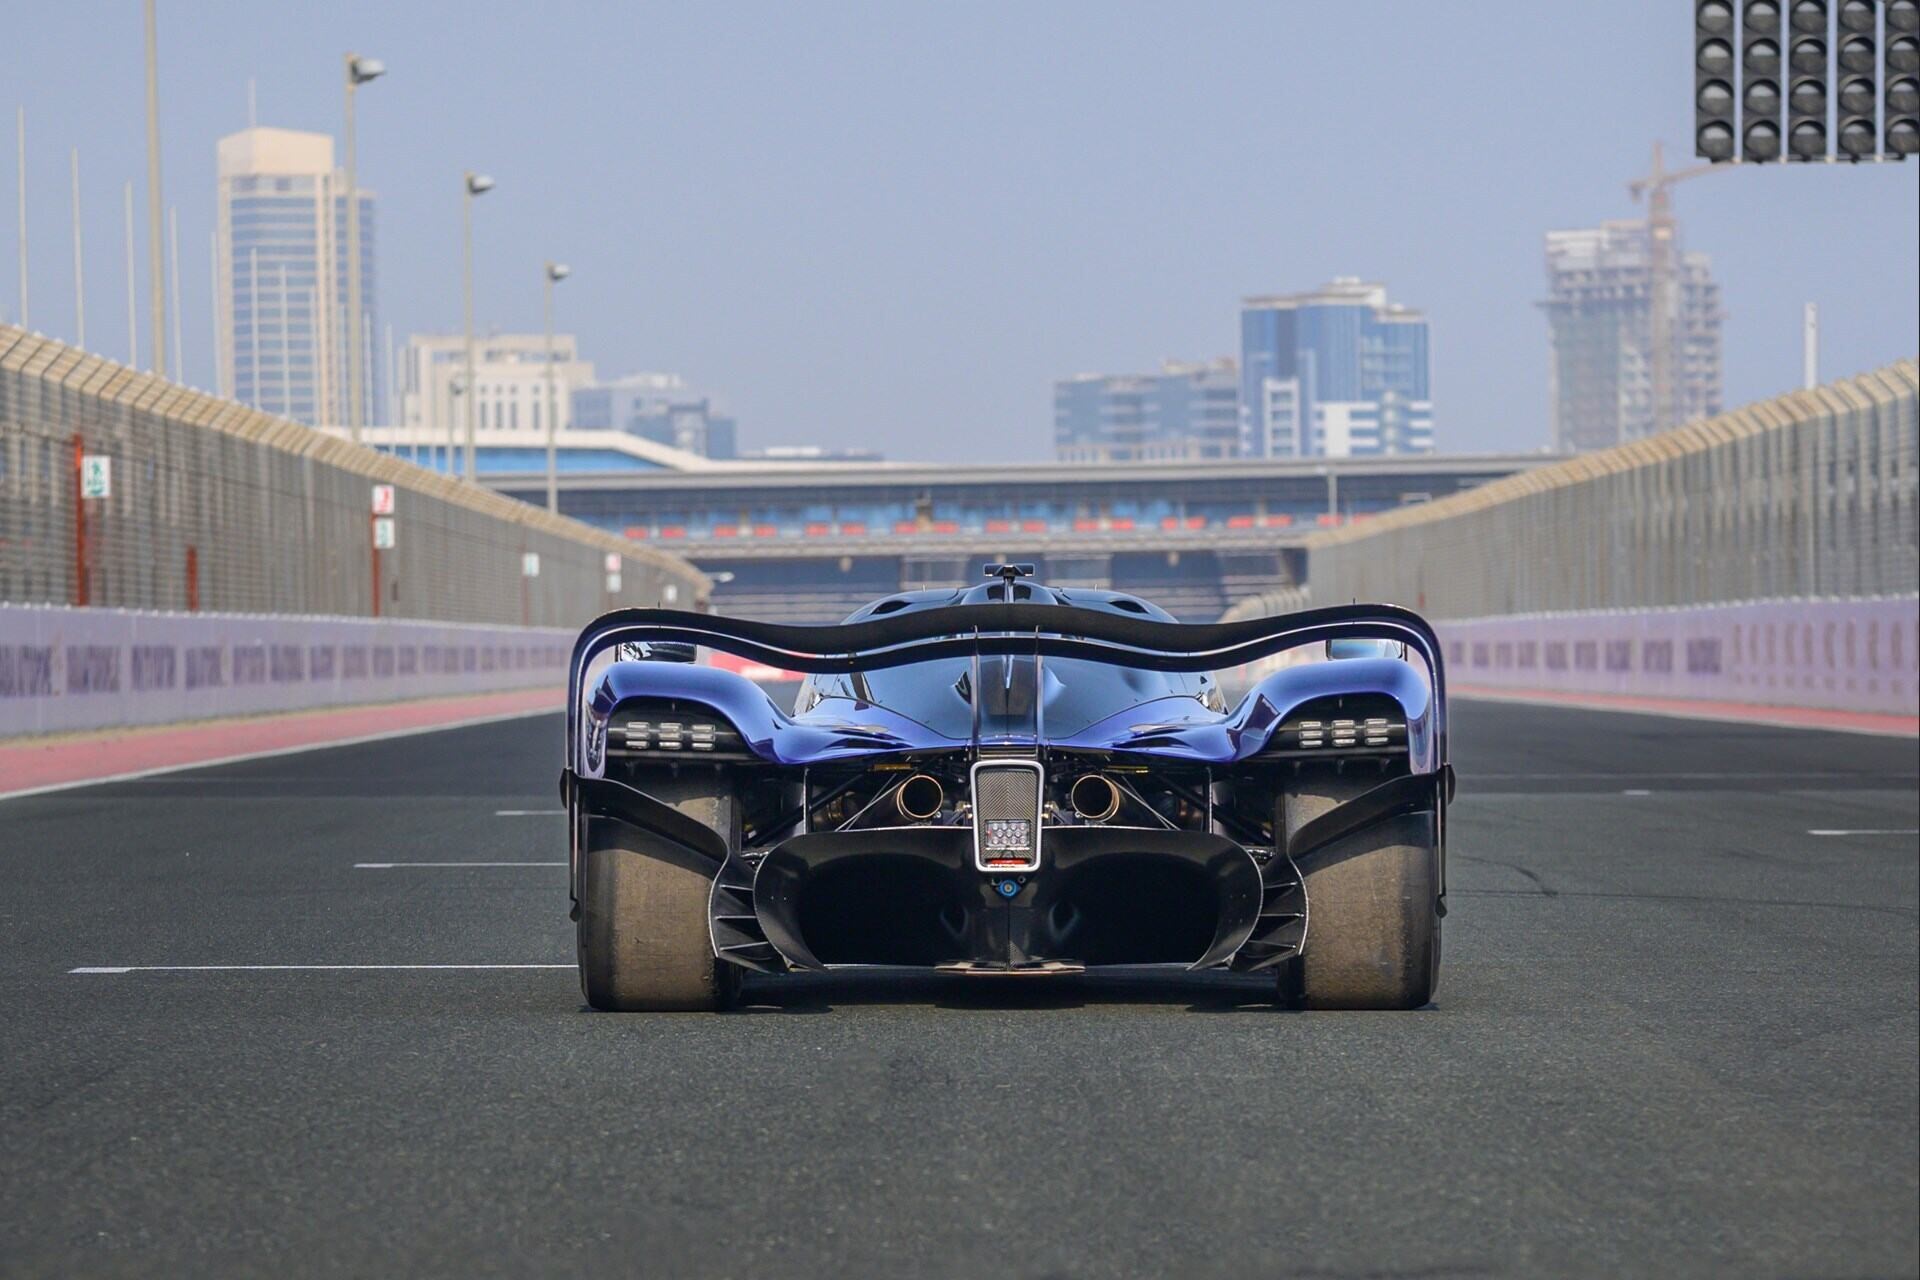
[1810, 494]
[211, 506]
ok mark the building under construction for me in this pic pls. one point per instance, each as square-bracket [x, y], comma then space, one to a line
[1602, 376]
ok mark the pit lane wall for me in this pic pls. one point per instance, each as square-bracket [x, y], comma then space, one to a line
[1766, 556]
[67, 669]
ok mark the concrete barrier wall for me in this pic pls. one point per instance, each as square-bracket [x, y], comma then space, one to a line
[1811, 495]
[1841, 655]
[209, 506]
[65, 669]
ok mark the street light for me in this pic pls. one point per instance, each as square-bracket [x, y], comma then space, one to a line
[359, 71]
[556, 272]
[451, 445]
[474, 184]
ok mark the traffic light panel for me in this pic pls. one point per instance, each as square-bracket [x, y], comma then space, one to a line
[1854, 136]
[1713, 103]
[1760, 95]
[1902, 74]
[1807, 80]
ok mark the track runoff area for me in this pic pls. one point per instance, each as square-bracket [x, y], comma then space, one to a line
[317, 1012]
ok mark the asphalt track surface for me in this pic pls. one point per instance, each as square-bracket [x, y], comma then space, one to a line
[1676, 1035]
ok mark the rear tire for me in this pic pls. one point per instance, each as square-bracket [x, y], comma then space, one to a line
[1373, 924]
[643, 938]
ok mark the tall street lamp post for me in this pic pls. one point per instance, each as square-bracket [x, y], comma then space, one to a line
[475, 184]
[556, 272]
[451, 445]
[156, 262]
[359, 71]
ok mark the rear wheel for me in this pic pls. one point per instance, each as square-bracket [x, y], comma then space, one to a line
[643, 938]
[1373, 924]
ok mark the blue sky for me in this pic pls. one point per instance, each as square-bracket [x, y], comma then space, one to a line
[892, 225]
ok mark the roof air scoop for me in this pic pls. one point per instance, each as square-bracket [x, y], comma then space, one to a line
[1009, 572]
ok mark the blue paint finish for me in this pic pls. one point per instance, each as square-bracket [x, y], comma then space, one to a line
[1179, 728]
[821, 736]
[1171, 728]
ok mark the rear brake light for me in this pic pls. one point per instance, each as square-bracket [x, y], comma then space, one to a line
[1334, 731]
[665, 734]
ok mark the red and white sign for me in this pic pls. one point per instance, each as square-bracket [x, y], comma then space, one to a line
[383, 499]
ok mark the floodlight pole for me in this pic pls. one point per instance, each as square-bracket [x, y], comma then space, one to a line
[359, 71]
[555, 273]
[1810, 346]
[79, 261]
[156, 261]
[473, 184]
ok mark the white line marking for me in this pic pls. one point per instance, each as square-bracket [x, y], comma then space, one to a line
[389, 866]
[1865, 831]
[1636, 791]
[1669, 773]
[527, 813]
[292, 968]
[276, 751]
[1773, 721]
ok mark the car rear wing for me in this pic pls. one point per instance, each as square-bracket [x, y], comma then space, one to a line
[1049, 630]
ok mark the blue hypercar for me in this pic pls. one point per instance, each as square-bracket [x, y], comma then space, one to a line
[1009, 779]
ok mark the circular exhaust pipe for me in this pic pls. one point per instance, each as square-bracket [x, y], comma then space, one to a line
[1094, 797]
[920, 797]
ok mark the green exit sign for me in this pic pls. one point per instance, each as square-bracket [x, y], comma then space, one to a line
[96, 475]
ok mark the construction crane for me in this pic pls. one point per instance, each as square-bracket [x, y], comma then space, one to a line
[1662, 275]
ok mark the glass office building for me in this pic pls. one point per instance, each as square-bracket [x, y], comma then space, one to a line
[1185, 411]
[283, 278]
[1339, 372]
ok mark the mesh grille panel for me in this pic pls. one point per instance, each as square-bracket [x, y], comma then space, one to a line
[1007, 793]
[1006, 814]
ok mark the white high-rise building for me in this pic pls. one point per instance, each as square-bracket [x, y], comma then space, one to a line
[1600, 321]
[1386, 426]
[509, 371]
[282, 301]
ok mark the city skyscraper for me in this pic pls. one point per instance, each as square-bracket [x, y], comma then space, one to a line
[1338, 372]
[1186, 410]
[1600, 323]
[282, 248]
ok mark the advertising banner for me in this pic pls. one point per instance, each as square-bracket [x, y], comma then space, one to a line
[1837, 655]
[65, 669]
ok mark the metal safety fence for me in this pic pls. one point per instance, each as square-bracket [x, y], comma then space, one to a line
[1807, 495]
[121, 489]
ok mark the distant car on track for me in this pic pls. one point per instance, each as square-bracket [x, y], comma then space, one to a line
[1008, 779]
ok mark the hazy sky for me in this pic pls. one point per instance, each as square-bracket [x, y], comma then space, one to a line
[892, 225]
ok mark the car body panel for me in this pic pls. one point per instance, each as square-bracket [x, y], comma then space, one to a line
[1177, 727]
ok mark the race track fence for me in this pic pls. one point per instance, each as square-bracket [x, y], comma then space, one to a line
[214, 507]
[1807, 495]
